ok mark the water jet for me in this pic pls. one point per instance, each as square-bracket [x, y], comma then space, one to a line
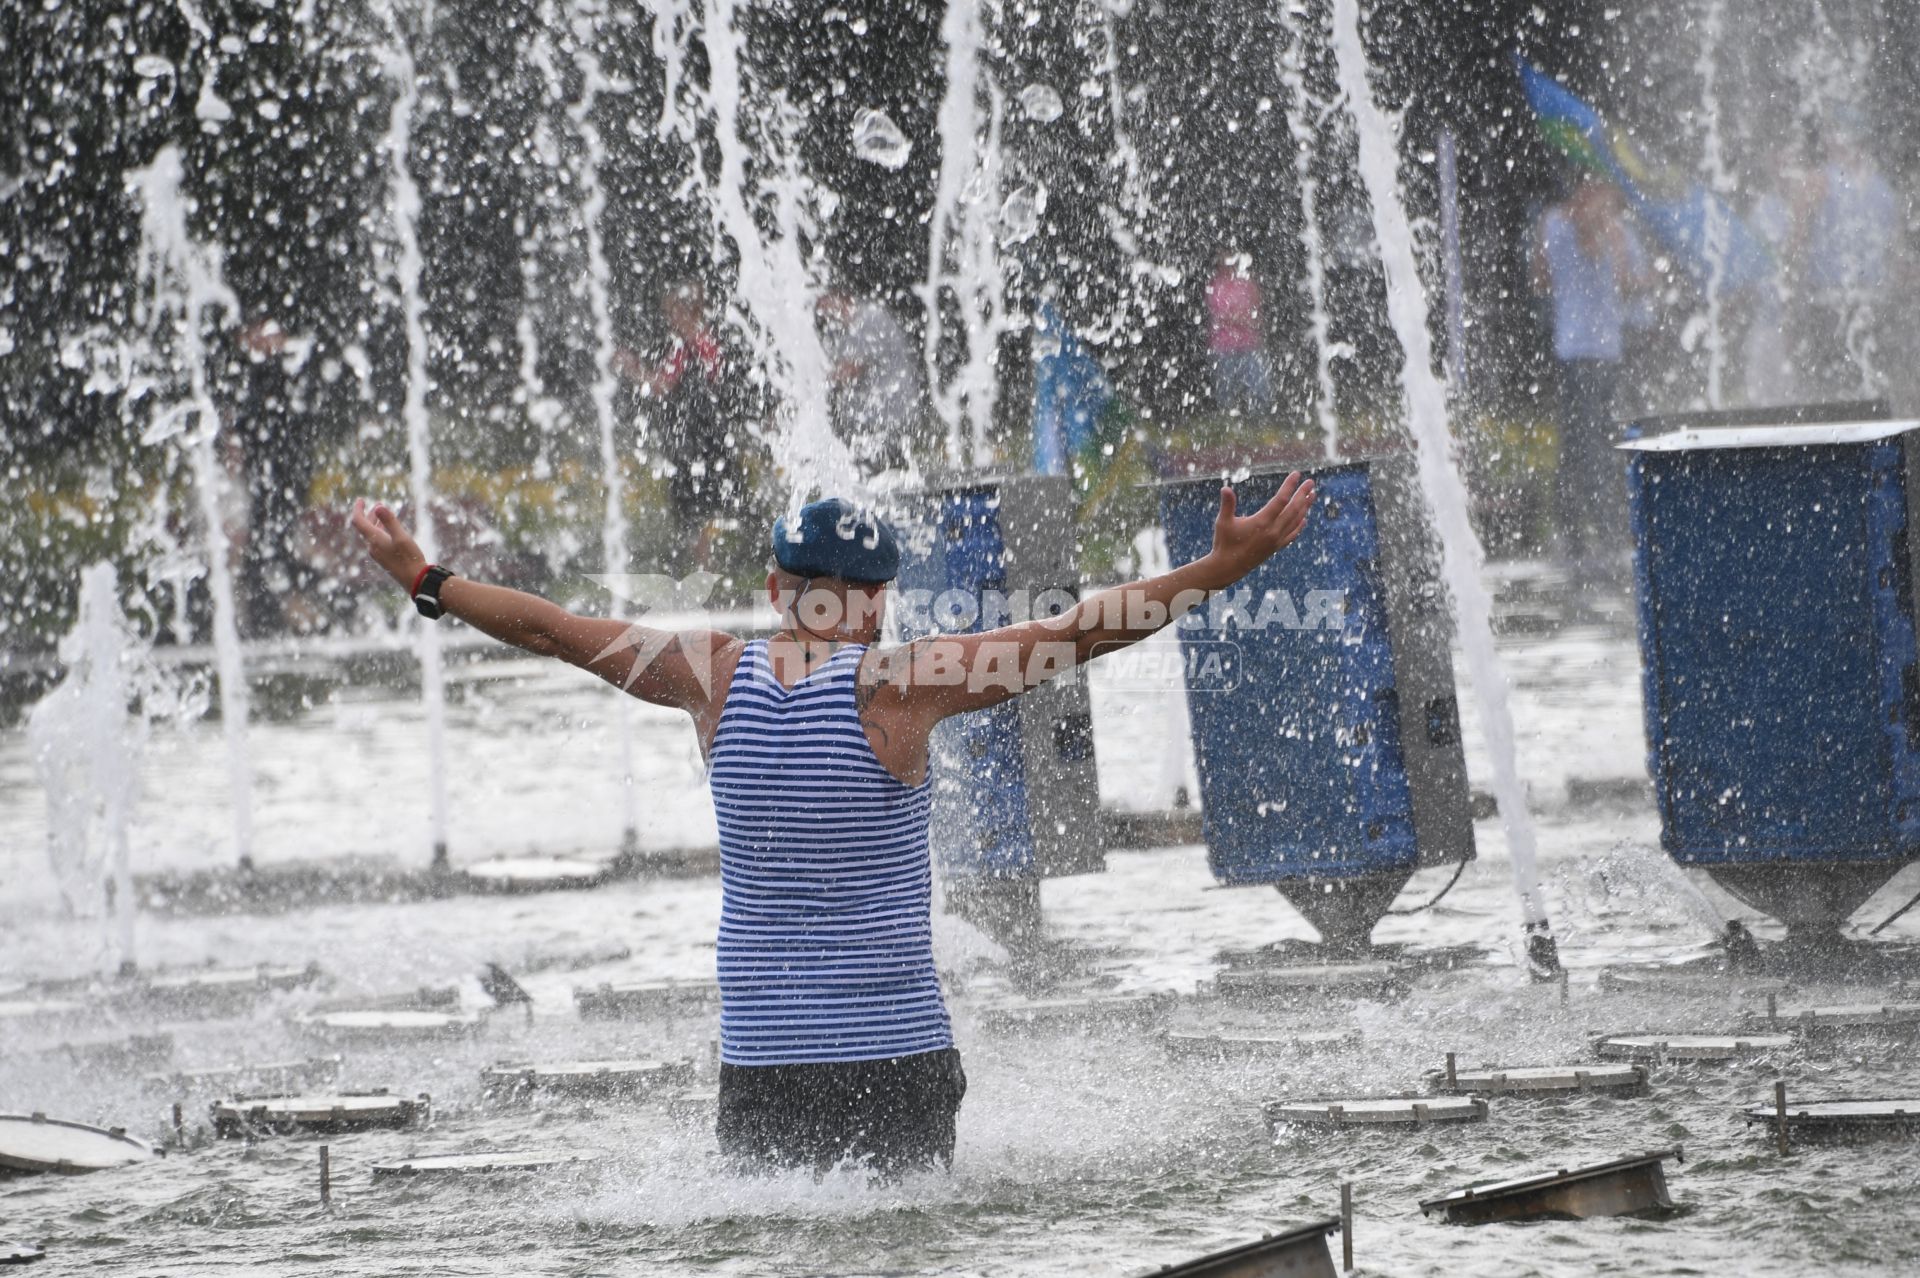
[1336, 810]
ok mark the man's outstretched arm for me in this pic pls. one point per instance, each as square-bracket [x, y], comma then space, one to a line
[951, 674]
[669, 668]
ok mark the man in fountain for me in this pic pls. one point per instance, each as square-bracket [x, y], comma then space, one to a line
[834, 1039]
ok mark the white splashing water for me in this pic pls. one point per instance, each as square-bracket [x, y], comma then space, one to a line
[1129, 220]
[404, 208]
[1427, 418]
[962, 252]
[958, 124]
[776, 285]
[1719, 183]
[613, 528]
[187, 283]
[878, 140]
[1041, 103]
[1021, 212]
[1303, 115]
[542, 408]
[86, 751]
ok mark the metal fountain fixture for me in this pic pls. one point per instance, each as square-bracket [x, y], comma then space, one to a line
[1633, 1186]
[1775, 571]
[1325, 722]
[1016, 799]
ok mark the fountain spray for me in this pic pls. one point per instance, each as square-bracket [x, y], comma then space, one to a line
[613, 527]
[169, 252]
[1427, 418]
[404, 197]
[1135, 210]
[86, 749]
[1714, 220]
[775, 284]
[962, 202]
[1305, 114]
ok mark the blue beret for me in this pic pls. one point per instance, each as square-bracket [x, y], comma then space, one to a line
[835, 538]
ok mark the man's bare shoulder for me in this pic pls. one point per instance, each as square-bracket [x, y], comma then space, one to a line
[707, 653]
[654, 644]
[885, 666]
[709, 643]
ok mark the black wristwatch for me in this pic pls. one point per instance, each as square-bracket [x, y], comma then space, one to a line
[426, 595]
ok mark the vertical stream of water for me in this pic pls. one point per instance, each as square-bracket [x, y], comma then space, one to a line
[1427, 419]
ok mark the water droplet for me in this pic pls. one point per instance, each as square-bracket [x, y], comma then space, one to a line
[977, 186]
[1042, 103]
[878, 139]
[151, 66]
[1020, 214]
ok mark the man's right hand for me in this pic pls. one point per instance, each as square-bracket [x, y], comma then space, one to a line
[388, 542]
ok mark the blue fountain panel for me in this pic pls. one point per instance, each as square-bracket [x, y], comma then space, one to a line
[1296, 722]
[1777, 649]
[982, 827]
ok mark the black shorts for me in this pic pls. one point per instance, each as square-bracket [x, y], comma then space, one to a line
[894, 1115]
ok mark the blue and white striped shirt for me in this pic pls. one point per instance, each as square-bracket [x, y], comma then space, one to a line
[826, 939]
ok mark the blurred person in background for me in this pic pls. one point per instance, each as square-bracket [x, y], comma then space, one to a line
[1771, 372]
[880, 406]
[1847, 240]
[1590, 266]
[277, 444]
[1237, 338]
[685, 432]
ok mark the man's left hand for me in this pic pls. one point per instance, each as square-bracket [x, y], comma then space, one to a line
[390, 544]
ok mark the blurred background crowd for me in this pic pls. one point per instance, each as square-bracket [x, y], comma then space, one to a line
[1180, 270]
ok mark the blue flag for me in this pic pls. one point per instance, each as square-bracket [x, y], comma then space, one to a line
[1680, 212]
[1070, 391]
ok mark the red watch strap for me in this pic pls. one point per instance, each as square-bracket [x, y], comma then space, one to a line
[417, 580]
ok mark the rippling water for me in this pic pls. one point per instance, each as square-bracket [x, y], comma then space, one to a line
[1080, 1152]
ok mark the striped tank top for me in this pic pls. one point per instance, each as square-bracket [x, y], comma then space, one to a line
[826, 939]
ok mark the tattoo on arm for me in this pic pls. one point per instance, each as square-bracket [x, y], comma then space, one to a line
[888, 670]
